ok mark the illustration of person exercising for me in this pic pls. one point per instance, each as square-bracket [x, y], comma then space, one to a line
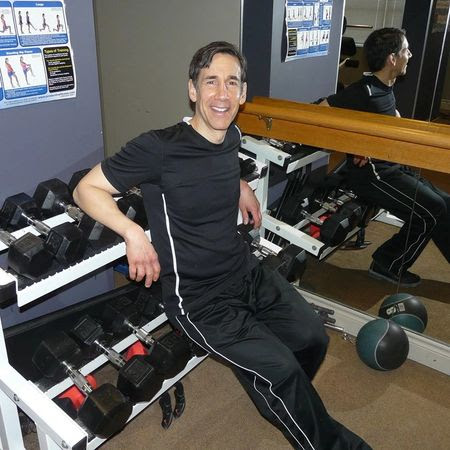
[59, 26]
[4, 25]
[26, 68]
[29, 24]
[11, 73]
[44, 24]
[20, 18]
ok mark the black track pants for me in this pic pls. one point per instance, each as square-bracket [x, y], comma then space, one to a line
[275, 343]
[424, 208]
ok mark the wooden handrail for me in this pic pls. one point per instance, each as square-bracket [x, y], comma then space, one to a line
[416, 143]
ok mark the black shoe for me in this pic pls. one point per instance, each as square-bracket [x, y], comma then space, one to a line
[407, 279]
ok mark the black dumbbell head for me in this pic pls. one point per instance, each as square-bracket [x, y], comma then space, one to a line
[52, 196]
[353, 211]
[335, 229]
[139, 380]
[170, 354]
[118, 312]
[105, 411]
[28, 256]
[66, 242]
[14, 206]
[87, 330]
[53, 351]
[293, 262]
[149, 301]
[132, 206]
[75, 179]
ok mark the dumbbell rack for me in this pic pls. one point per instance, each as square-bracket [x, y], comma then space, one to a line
[55, 429]
[268, 154]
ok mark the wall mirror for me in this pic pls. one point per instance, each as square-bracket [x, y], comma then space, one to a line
[343, 276]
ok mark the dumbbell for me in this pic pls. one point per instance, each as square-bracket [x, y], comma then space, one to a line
[350, 209]
[132, 205]
[169, 354]
[137, 378]
[333, 230]
[65, 241]
[354, 211]
[53, 197]
[27, 255]
[149, 301]
[105, 409]
[76, 178]
[290, 261]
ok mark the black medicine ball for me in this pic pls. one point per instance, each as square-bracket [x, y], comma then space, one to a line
[406, 310]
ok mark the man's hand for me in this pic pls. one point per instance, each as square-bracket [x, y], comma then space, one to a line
[142, 258]
[248, 204]
[360, 161]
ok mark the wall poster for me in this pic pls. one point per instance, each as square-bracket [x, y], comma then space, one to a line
[36, 58]
[308, 25]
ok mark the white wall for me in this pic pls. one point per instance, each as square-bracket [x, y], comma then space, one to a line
[144, 49]
[375, 13]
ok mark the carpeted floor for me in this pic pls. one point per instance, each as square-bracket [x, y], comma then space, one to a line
[405, 409]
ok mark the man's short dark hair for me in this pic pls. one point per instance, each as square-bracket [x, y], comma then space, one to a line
[380, 44]
[203, 57]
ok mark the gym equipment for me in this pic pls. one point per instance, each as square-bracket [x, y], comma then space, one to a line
[137, 379]
[290, 261]
[333, 229]
[27, 255]
[406, 310]
[65, 241]
[75, 179]
[168, 355]
[382, 344]
[248, 168]
[149, 301]
[105, 410]
[132, 205]
[53, 197]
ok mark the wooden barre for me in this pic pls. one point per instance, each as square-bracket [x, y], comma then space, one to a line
[405, 141]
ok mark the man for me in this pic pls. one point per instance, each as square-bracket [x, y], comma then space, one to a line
[424, 208]
[240, 312]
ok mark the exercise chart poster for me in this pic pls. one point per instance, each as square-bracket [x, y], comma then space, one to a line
[308, 26]
[36, 58]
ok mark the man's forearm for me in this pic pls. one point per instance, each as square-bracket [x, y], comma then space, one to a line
[94, 196]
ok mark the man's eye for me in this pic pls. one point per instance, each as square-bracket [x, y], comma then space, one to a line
[233, 83]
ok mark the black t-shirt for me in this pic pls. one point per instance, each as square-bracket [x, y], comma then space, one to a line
[191, 194]
[368, 94]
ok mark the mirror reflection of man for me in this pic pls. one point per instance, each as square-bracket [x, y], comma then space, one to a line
[227, 302]
[424, 208]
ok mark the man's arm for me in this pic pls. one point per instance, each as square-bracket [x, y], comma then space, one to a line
[94, 196]
[248, 204]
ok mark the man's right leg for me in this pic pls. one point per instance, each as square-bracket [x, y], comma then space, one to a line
[269, 371]
[406, 197]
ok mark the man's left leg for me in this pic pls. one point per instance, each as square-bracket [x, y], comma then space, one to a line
[291, 318]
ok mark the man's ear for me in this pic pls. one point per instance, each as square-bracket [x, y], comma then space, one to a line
[391, 59]
[192, 91]
[243, 95]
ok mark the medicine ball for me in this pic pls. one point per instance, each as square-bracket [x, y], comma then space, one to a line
[382, 344]
[406, 310]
